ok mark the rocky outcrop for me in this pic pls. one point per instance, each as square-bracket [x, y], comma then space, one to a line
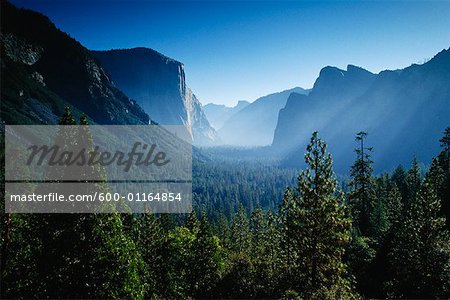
[202, 131]
[19, 51]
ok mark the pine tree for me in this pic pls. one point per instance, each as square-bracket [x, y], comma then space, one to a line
[67, 117]
[151, 244]
[223, 231]
[258, 227]
[445, 141]
[287, 235]
[362, 197]
[240, 232]
[394, 207]
[321, 228]
[207, 261]
[167, 222]
[359, 256]
[262, 253]
[378, 218]
[419, 260]
[399, 178]
[272, 255]
[443, 190]
[192, 222]
[413, 182]
[178, 263]
[83, 255]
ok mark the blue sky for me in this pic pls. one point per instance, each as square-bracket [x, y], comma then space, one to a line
[236, 50]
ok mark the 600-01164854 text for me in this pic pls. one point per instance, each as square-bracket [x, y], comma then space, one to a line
[136, 197]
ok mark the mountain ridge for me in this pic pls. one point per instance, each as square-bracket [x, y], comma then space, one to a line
[218, 114]
[395, 108]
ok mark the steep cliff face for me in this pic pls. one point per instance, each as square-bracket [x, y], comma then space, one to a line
[332, 92]
[44, 69]
[202, 131]
[285, 139]
[157, 83]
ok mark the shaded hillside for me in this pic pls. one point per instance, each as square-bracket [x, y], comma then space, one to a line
[44, 69]
[404, 112]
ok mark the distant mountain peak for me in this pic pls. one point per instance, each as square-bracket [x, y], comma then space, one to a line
[330, 70]
[335, 79]
[255, 124]
[218, 114]
[335, 72]
[442, 53]
[242, 102]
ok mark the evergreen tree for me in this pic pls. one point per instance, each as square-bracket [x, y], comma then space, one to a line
[378, 218]
[207, 261]
[223, 231]
[192, 222]
[272, 256]
[179, 263]
[83, 255]
[399, 178]
[287, 221]
[362, 197]
[443, 190]
[167, 222]
[394, 207]
[67, 118]
[413, 182]
[321, 228]
[445, 141]
[240, 232]
[263, 254]
[258, 227]
[237, 281]
[419, 260]
[151, 243]
[359, 256]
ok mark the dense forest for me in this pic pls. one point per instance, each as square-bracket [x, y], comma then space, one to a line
[372, 236]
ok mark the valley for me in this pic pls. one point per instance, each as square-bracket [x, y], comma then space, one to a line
[338, 191]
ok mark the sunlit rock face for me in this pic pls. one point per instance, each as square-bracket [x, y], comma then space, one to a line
[303, 114]
[19, 50]
[158, 84]
[404, 111]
